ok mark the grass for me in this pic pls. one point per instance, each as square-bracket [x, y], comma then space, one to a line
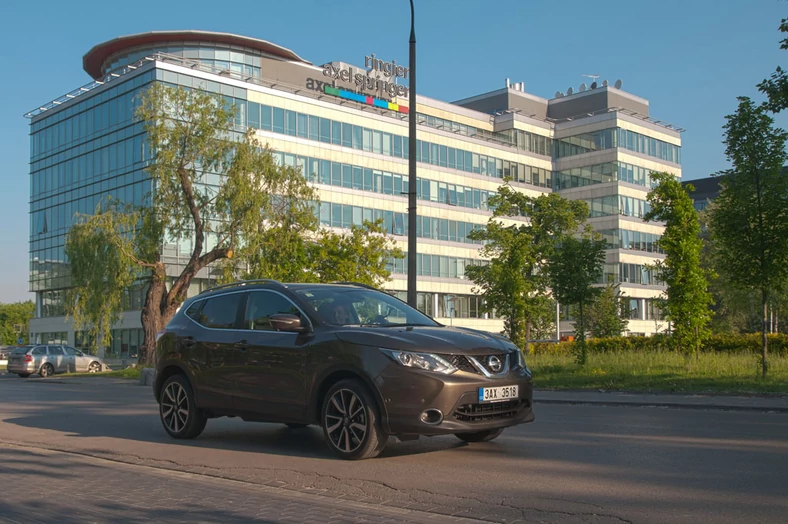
[661, 372]
[130, 373]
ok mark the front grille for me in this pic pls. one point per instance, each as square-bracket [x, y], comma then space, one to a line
[462, 363]
[484, 412]
[484, 361]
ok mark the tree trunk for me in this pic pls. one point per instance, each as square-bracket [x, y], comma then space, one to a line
[151, 316]
[764, 339]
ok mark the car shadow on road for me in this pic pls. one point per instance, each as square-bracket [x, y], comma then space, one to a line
[104, 418]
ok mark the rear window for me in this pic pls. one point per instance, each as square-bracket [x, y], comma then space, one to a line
[21, 350]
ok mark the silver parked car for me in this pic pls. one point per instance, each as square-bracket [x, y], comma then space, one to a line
[48, 359]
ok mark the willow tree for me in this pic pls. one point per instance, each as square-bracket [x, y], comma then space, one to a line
[191, 136]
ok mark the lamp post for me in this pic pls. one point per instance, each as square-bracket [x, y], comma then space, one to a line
[412, 164]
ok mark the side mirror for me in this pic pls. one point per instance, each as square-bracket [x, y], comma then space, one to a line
[288, 322]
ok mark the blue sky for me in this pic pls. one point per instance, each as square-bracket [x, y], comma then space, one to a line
[689, 58]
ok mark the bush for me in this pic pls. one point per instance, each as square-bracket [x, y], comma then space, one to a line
[727, 343]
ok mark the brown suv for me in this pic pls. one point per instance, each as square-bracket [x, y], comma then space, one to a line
[356, 361]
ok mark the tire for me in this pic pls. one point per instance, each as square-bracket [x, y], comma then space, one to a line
[94, 367]
[47, 370]
[177, 410]
[23, 375]
[351, 421]
[295, 426]
[480, 436]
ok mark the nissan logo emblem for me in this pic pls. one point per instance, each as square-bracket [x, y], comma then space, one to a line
[494, 363]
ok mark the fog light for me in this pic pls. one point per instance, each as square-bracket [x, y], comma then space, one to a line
[432, 416]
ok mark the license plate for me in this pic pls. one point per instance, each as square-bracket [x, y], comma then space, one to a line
[498, 394]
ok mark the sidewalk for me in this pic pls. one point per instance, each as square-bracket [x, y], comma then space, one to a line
[670, 400]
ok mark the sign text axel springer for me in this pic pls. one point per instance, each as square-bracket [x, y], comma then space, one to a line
[366, 82]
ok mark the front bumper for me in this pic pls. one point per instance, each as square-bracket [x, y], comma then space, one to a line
[407, 393]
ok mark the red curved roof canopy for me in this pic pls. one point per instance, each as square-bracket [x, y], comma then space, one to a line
[94, 59]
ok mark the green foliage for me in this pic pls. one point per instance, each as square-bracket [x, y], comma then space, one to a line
[15, 314]
[688, 299]
[106, 257]
[572, 268]
[605, 315]
[776, 86]
[748, 221]
[515, 283]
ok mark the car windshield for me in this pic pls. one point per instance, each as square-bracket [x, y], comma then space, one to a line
[21, 350]
[346, 306]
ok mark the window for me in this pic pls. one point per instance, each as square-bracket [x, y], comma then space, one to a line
[220, 312]
[56, 350]
[40, 350]
[194, 310]
[72, 352]
[262, 306]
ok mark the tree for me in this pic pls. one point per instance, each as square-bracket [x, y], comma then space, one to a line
[15, 321]
[572, 268]
[749, 219]
[687, 296]
[776, 86]
[191, 136]
[604, 317]
[514, 283]
[302, 255]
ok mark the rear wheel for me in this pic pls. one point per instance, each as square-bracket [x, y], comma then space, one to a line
[23, 375]
[351, 421]
[179, 414]
[47, 370]
[480, 436]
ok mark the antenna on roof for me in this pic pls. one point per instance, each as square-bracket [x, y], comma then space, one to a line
[559, 94]
[618, 84]
[570, 91]
[604, 83]
[582, 87]
[592, 77]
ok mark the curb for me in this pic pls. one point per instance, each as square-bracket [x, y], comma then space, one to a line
[669, 405]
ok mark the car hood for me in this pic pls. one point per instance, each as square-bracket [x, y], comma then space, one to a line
[437, 339]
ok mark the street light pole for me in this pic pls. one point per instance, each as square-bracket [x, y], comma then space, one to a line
[412, 164]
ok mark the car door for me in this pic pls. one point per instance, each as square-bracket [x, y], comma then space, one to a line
[273, 384]
[213, 349]
[57, 357]
[74, 361]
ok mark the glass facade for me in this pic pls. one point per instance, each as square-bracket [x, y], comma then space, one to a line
[616, 137]
[223, 57]
[601, 174]
[77, 157]
[435, 265]
[634, 240]
[618, 205]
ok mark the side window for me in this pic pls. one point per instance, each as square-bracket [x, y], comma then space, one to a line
[56, 350]
[263, 304]
[40, 350]
[70, 351]
[194, 310]
[221, 312]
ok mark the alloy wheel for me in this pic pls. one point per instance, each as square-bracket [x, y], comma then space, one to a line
[94, 367]
[346, 421]
[175, 407]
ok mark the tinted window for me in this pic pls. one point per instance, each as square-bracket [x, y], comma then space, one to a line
[194, 310]
[56, 350]
[40, 350]
[220, 312]
[21, 350]
[263, 304]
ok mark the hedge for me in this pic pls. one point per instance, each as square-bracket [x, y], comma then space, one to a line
[728, 343]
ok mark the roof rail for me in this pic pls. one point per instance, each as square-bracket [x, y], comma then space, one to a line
[244, 283]
[357, 284]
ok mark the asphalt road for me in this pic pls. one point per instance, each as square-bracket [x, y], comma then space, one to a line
[582, 463]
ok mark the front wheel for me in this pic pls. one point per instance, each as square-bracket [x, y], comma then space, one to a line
[480, 436]
[94, 367]
[47, 370]
[179, 414]
[351, 421]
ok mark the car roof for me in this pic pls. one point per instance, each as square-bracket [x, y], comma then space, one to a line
[275, 285]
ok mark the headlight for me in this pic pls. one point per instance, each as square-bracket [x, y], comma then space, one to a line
[425, 361]
[521, 360]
